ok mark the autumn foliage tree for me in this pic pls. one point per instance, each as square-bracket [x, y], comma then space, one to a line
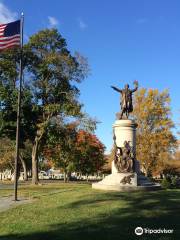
[72, 149]
[172, 165]
[7, 154]
[155, 140]
[109, 158]
[90, 153]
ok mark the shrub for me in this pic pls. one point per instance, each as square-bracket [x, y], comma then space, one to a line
[174, 182]
[166, 183]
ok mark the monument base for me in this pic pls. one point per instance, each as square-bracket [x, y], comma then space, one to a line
[125, 182]
[125, 130]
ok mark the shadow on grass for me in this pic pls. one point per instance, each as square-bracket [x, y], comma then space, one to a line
[146, 209]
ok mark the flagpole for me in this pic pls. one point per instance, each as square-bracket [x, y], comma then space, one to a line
[18, 111]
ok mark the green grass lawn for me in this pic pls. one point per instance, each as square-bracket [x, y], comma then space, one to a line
[75, 211]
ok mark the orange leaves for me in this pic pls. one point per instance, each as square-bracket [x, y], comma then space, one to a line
[154, 135]
[90, 152]
[84, 137]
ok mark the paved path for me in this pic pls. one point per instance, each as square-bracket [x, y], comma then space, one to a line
[6, 186]
[8, 202]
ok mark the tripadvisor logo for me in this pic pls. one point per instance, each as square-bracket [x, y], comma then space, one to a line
[139, 231]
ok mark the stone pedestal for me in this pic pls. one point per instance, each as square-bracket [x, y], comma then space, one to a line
[125, 130]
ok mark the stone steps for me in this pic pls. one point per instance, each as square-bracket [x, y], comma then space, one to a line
[144, 181]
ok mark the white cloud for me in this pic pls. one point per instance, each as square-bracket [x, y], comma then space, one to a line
[6, 15]
[53, 22]
[82, 24]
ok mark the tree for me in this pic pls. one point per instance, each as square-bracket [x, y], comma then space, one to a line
[177, 155]
[62, 146]
[25, 157]
[7, 154]
[9, 69]
[53, 70]
[109, 158]
[89, 153]
[155, 140]
[51, 74]
[9, 65]
[74, 149]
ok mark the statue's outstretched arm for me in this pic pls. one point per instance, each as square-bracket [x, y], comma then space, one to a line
[116, 89]
[136, 86]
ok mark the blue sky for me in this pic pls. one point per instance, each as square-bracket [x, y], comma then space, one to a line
[123, 40]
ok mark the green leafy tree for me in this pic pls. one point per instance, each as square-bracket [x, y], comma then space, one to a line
[61, 146]
[54, 71]
[52, 74]
[9, 66]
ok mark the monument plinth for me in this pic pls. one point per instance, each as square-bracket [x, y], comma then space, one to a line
[125, 173]
[124, 131]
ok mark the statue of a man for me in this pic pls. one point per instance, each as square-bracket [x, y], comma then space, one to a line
[126, 99]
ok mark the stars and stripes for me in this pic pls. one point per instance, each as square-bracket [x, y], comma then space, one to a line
[10, 35]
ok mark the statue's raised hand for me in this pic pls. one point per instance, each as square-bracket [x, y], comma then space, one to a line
[135, 83]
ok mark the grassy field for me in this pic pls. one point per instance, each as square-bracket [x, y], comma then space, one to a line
[75, 211]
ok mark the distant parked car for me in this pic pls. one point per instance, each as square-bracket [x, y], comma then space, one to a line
[55, 174]
[58, 176]
[43, 175]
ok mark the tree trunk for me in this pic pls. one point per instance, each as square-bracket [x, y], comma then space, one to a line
[68, 176]
[24, 168]
[147, 172]
[35, 178]
[65, 176]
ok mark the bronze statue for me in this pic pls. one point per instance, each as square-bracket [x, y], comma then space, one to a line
[124, 157]
[126, 99]
[127, 179]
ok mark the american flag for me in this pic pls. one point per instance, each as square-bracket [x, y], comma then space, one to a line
[10, 35]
